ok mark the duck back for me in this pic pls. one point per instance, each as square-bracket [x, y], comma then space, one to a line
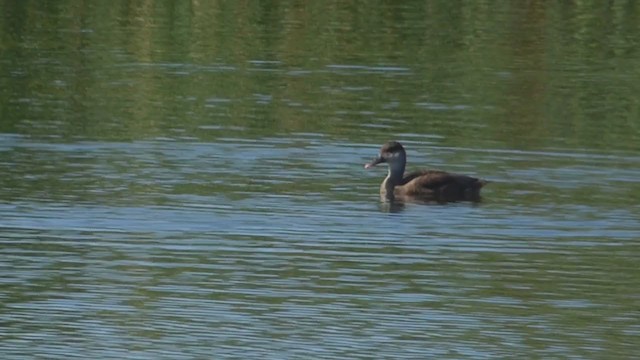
[440, 186]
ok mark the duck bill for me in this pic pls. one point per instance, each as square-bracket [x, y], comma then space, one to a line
[374, 162]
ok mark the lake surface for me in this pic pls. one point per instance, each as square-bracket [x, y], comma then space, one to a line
[185, 180]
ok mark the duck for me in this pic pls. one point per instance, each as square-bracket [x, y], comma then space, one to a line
[426, 185]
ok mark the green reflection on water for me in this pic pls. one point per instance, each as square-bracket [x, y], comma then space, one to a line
[505, 75]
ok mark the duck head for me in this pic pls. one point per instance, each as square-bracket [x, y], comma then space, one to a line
[392, 153]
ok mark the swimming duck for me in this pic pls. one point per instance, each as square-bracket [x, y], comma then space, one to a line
[431, 185]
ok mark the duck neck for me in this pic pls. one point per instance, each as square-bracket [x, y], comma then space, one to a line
[396, 170]
[394, 178]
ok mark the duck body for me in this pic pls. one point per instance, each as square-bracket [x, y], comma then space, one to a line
[434, 185]
[426, 185]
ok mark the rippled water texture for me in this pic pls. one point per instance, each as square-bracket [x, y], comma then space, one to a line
[180, 183]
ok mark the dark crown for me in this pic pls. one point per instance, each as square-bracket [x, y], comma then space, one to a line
[392, 147]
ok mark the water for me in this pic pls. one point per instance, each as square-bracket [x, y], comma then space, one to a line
[179, 255]
[159, 200]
